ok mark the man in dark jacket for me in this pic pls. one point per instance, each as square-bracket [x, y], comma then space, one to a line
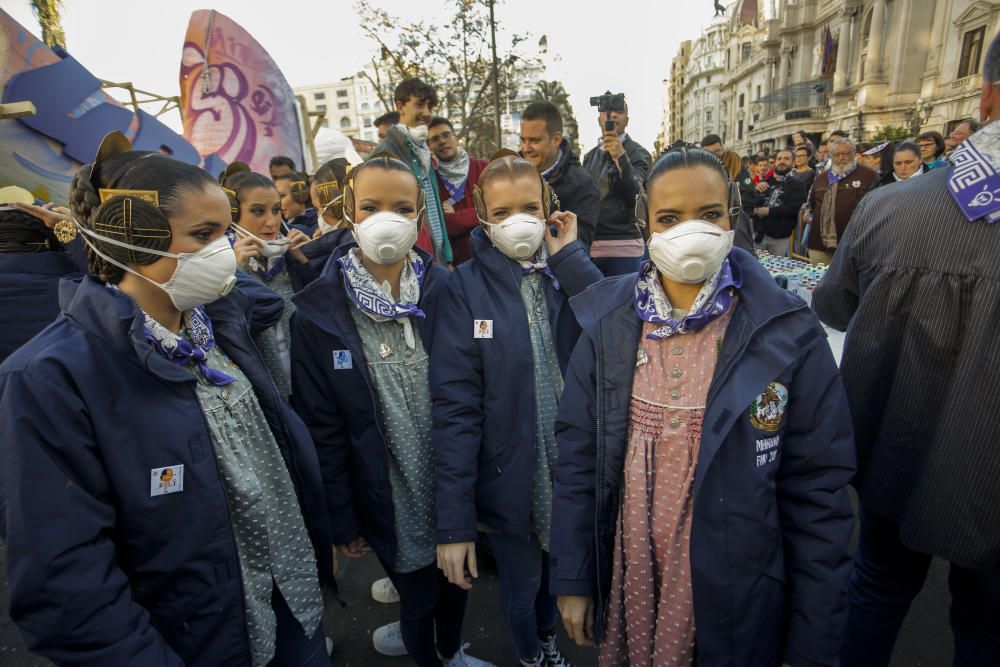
[543, 145]
[407, 140]
[619, 166]
[457, 174]
[778, 216]
[921, 367]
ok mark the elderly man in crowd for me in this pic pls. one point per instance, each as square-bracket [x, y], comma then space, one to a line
[958, 134]
[834, 196]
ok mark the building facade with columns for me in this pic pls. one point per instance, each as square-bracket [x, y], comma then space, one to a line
[856, 65]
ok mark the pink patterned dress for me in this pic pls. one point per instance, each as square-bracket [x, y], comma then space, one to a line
[651, 612]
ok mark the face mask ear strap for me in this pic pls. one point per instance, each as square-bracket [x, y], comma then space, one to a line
[421, 210]
[735, 205]
[550, 201]
[349, 202]
[641, 212]
[478, 202]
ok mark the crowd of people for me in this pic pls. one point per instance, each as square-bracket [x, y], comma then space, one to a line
[580, 366]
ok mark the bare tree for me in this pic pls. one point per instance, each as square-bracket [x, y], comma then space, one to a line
[453, 56]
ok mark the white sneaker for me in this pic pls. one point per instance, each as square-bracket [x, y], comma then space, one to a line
[388, 640]
[383, 591]
[460, 659]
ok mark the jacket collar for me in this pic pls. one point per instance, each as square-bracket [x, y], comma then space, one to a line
[51, 263]
[117, 321]
[615, 295]
[569, 158]
[325, 303]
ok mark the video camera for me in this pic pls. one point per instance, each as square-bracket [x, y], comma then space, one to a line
[609, 102]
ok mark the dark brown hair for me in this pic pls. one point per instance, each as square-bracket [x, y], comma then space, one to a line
[136, 222]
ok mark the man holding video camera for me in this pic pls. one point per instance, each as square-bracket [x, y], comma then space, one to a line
[619, 166]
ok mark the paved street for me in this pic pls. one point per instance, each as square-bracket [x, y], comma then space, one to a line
[924, 642]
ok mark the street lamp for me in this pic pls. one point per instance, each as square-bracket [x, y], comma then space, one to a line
[918, 115]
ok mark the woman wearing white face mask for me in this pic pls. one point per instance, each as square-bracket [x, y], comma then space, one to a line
[361, 337]
[704, 451]
[264, 252]
[504, 334]
[152, 476]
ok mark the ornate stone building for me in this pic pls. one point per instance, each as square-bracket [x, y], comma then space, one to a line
[819, 65]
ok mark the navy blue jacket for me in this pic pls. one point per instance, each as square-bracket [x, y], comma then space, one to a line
[306, 222]
[317, 252]
[769, 561]
[100, 572]
[339, 404]
[483, 389]
[29, 294]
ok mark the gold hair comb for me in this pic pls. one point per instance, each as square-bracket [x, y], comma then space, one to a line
[326, 190]
[151, 196]
[297, 186]
[126, 229]
[232, 195]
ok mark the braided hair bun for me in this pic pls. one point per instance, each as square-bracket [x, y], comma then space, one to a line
[129, 218]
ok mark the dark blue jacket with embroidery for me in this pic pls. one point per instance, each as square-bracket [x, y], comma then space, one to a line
[337, 401]
[769, 542]
[483, 389]
[100, 571]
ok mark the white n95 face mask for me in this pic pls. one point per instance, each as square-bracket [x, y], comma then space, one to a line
[200, 277]
[691, 251]
[386, 237]
[274, 248]
[418, 133]
[517, 237]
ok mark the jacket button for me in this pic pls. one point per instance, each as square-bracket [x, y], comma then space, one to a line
[675, 422]
[678, 351]
[675, 394]
[408, 354]
[676, 372]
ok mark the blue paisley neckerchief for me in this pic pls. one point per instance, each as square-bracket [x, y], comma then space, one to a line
[541, 265]
[266, 268]
[974, 182]
[180, 351]
[714, 299]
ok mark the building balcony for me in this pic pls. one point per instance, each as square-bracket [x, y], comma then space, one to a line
[802, 100]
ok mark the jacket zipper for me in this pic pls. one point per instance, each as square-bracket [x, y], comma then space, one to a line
[598, 376]
[232, 533]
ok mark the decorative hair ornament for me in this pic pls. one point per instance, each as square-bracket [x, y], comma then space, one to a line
[64, 231]
[348, 189]
[550, 202]
[234, 208]
[112, 145]
[328, 191]
[125, 228]
[151, 196]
